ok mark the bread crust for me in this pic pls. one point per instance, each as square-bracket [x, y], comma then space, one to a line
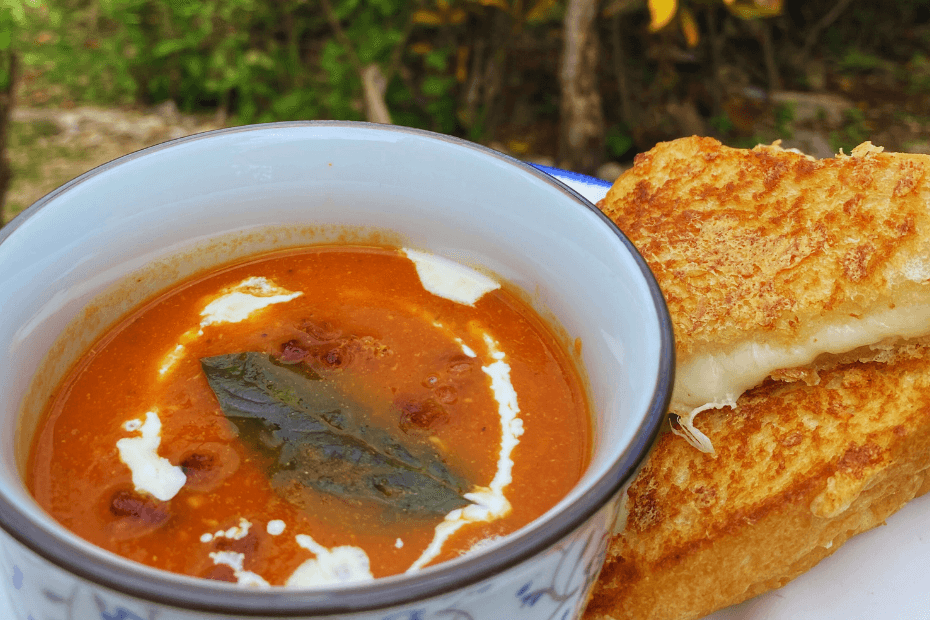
[803, 468]
[767, 241]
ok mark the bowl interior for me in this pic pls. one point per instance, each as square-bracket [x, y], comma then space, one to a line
[86, 254]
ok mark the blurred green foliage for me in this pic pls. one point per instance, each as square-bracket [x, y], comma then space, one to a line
[918, 73]
[487, 70]
[257, 60]
[783, 115]
[855, 131]
[12, 22]
[618, 141]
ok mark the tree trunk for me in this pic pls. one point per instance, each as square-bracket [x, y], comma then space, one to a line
[8, 62]
[374, 87]
[768, 53]
[495, 73]
[813, 35]
[581, 132]
[374, 82]
[623, 84]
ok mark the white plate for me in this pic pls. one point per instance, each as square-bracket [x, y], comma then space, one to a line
[881, 574]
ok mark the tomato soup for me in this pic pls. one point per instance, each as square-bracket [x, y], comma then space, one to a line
[325, 415]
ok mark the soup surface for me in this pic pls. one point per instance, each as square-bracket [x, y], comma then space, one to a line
[326, 415]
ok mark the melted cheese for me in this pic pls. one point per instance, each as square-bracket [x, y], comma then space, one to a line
[151, 473]
[710, 381]
[450, 280]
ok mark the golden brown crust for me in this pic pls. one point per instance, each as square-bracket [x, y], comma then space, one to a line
[769, 241]
[803, 468]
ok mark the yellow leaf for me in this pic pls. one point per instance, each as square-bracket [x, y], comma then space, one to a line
[461, 63]
[755, 9]
[427, 18]
[662, 12]
[518, 147]
[541, 10]
[457, 16]
[421, 47]
[501, 4]
[689, 27]
[770, 5]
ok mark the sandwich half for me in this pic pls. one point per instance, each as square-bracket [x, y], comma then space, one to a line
[803, 468]
[777, 265]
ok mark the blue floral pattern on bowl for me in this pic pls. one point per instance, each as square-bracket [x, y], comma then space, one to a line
[554, 588]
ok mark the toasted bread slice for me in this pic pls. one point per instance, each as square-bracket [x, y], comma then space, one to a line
[803, 469]
[773, 263]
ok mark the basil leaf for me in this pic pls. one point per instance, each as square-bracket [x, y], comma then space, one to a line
[313, 436]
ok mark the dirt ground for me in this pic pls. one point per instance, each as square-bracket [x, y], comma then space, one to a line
[50, 146]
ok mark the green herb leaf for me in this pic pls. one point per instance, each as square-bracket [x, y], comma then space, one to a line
[315, 437]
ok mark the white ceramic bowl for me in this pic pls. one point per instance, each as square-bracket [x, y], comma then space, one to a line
[78, 259]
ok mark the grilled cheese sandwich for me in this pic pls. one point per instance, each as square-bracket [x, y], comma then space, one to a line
[774, 264]
[801, 470]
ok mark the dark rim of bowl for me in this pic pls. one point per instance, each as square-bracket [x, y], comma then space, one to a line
[214, 597]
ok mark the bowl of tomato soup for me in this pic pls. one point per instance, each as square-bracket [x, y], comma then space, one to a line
[319, 370]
